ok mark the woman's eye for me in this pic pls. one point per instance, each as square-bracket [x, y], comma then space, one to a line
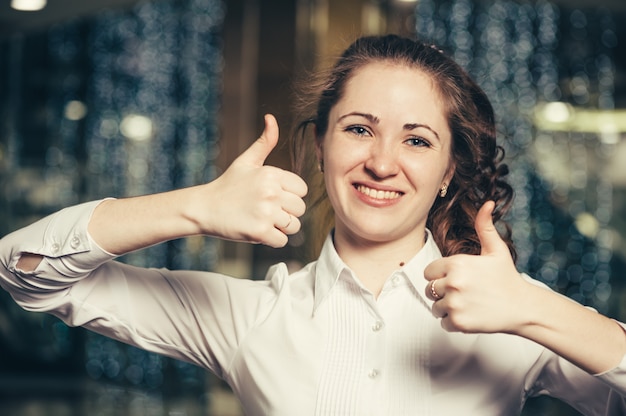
[417, 142]
[358, 130]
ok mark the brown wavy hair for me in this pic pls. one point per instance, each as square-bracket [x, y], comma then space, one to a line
[476, 157]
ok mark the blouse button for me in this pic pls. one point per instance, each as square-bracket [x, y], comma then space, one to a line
[55, 247]
[75, 242]
[377, 326]
[395, 281]
[373, 373]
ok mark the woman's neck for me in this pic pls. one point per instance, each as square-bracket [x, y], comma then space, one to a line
[373, 262]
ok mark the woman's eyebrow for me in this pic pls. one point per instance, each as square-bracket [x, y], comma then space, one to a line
[370, 117]
[411, 126]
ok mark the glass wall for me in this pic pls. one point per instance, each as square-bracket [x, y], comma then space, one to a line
[124, 103]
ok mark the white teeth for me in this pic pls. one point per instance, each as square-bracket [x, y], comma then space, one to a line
[376, 194]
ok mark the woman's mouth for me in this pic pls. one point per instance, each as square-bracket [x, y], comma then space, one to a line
[377, 193]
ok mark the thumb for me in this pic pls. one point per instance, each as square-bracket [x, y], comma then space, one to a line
[258, 151]
[490, 240]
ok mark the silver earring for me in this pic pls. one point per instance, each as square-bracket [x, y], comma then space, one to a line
[444, 190]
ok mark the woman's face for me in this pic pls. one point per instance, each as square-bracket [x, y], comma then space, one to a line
[386, 154]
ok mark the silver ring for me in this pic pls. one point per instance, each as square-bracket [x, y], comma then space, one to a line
[433, 292]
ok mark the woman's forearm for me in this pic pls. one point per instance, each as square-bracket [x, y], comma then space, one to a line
[586, 338]
[250, 202]
[123, 225]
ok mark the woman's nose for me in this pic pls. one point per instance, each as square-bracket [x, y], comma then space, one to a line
[382, 161]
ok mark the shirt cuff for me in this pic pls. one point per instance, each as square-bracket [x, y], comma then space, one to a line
[62, 234]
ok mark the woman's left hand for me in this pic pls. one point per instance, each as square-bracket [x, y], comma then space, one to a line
[478, 293]
[486, 294]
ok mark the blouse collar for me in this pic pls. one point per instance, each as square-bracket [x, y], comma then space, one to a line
[330, 267]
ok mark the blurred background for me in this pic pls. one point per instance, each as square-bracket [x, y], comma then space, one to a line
[123, 97]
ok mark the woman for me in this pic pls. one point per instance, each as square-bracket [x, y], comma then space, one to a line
[381, 323]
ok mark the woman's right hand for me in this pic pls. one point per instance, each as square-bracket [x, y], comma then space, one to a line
[251, 201]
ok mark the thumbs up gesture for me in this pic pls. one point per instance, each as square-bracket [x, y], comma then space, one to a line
[478, 293]
[253, 202]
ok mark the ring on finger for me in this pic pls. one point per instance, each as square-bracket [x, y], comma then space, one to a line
[433, 291]
[288, 222]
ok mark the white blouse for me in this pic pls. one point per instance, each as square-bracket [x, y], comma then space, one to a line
[315, 342]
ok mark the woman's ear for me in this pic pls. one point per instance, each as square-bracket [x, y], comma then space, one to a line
[319, 153]
[447, 179]
[449, 176]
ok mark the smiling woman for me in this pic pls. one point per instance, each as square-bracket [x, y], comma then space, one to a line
[441, 93]
[381, 138]
[381, 322]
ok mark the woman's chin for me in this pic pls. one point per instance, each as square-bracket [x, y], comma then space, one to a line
[372, 234]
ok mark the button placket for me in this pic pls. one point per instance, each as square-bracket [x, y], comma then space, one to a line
[376, 347]
[377, 326]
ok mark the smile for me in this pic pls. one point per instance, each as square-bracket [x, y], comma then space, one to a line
[378, 194]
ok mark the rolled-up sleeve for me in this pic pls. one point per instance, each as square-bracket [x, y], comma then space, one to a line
[591, 394]
[616, 377]
[63, 241]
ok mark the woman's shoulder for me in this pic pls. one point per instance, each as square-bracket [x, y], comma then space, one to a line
[293, 276]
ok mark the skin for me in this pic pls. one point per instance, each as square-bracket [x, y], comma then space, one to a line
[386, 156]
